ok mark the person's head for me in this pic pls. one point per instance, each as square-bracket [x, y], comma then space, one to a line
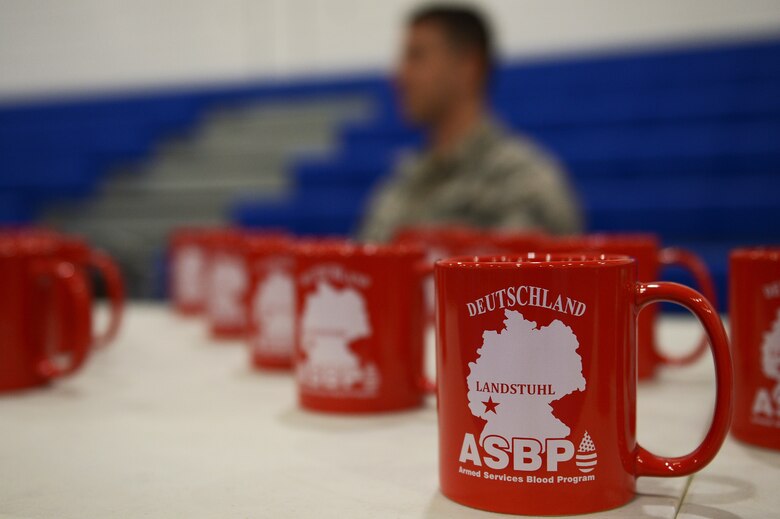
[446, 58]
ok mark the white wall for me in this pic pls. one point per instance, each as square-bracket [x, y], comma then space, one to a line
[56, 46]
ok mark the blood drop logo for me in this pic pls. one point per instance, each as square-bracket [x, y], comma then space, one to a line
[586, 457]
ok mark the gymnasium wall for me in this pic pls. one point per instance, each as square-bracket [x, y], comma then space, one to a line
[54, 47]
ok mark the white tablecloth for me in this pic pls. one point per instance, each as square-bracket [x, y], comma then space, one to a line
[168, 424]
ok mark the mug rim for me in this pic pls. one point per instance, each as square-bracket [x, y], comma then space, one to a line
[266, 242]
[27, 245]
[595, 240]
[538, 260]
[350, 249]
[757, 253]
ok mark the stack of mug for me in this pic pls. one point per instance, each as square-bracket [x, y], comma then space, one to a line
[46, 328]
[540, 341]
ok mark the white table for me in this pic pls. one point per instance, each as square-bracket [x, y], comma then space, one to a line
[168, 424]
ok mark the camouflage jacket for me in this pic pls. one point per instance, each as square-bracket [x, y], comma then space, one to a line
[492, 180]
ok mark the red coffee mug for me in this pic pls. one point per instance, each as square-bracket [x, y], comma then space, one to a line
[360, 327]
[187, 269]
[536, 368]
[651, 258]
[270, 302]
[39, 289]
[754, 309]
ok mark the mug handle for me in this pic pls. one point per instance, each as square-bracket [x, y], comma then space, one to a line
[675, 256]
[115, 288]
[425, 269]
[648, 464]
[78, 336]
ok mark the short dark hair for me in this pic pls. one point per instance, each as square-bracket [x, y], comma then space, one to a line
[464, 26]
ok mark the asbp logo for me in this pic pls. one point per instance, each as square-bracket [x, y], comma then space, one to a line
[520, 371]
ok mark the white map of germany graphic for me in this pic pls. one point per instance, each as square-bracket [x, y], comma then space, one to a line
[524, 354]
[333, 319]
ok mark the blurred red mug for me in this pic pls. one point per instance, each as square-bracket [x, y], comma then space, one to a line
[41, 291]
[360, 327]
[754, 310]
[536, 368]
[651, 258]
[270, 302]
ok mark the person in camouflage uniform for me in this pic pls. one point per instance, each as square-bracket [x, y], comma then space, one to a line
[474, 171]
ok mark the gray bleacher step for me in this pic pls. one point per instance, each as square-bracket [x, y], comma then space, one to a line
[286, 130]
[204, 157]
[281, 126]
[293, 110]
[245, 144]
[211, 180]
[274, 126]
[256, 152]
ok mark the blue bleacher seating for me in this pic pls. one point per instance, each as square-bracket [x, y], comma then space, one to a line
[62, 148]
[682, 141]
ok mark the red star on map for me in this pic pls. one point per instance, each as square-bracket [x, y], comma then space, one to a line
[490, 405]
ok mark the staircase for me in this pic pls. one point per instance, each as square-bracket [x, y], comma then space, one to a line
[234, 153]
